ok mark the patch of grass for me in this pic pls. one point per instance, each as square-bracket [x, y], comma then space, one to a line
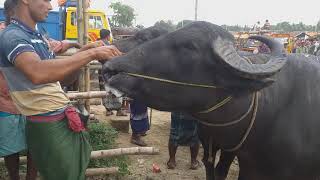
[102, 137]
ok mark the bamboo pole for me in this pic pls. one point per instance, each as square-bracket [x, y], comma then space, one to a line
[124, 151]
[101, 171]
[87, 95]
[96, 67]
[87, 85]
[93, 172]
[81, 39]
[90, 95]
[110, 153]
[85, 38]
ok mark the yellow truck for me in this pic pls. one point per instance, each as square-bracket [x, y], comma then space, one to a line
[97, 20]
[62, 24]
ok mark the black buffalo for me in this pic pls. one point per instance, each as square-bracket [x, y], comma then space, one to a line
[148, 34]
[281, 128]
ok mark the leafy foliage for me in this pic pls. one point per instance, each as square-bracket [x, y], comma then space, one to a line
[282, 27]
[168, 25]
[123, 15]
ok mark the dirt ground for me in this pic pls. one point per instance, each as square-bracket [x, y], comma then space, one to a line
[141, 166]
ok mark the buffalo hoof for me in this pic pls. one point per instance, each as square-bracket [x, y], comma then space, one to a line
[171, 164]
[220, 178]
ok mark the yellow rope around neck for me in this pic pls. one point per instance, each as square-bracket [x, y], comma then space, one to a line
[254, 105]
[171, 81]
[217, 106]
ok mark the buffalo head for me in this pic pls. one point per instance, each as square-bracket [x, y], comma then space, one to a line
[140, 37]
[200, 53]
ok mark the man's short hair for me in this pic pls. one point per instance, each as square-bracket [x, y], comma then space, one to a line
[104, 33]
[9, 6]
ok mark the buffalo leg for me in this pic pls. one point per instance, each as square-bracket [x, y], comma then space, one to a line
[208, 158]
[223, 166]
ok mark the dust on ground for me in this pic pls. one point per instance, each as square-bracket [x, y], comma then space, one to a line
[141, 166]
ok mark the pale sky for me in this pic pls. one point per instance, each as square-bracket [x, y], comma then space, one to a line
[230, 12]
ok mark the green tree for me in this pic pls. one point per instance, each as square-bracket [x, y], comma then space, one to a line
[283, 26]
[168, 25]
[123, 15]
[233, 28]
[140, 26]
[318, 26]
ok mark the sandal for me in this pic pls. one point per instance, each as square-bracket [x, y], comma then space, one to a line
[138, 142]
[195, 165]
[121, 113]
[143, 134]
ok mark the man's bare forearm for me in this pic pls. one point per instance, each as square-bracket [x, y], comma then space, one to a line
[47, 71]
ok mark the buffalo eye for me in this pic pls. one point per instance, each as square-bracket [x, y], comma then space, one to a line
[189, 45]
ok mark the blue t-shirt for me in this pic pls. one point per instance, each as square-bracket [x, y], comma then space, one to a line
[29, 98]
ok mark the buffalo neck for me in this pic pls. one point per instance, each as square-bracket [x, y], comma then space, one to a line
[227, 137]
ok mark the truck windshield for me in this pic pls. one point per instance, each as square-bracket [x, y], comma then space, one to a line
[95, 22]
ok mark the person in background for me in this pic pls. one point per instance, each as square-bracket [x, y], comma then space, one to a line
[12, 124]
[183, 132]
[266, 25]
[257, 26]
[2, 25]
[105, 36]
[139, 121]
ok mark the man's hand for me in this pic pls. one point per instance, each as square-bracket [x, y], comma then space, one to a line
[60, 47]
[92, 45]
[105, 53]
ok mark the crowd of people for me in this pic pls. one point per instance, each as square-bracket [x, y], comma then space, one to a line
[258, 27]
[307, 46]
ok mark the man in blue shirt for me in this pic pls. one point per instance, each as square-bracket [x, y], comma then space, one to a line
[56, 139]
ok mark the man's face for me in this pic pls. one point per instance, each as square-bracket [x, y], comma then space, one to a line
[39, 9]
[2, 25]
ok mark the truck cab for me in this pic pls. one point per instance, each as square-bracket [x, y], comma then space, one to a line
[97, 21]
[62, 24]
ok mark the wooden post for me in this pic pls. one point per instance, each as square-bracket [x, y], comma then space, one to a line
[85, 37]
[87, 85]
[80, 28]
[196, 11]
[84, 78]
